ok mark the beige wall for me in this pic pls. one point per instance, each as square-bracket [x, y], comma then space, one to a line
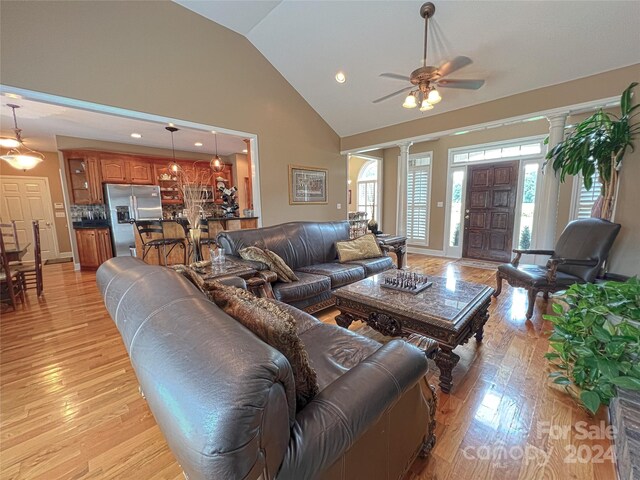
[51, 170]
[603, 85]
[158, 57]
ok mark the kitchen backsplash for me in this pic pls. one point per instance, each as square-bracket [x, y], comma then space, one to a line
[87, 212]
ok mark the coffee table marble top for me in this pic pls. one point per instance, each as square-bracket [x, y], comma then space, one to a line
[447, 303]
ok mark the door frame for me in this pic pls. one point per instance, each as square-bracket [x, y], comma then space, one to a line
[379, 189]
[456, 252]
[47, 206]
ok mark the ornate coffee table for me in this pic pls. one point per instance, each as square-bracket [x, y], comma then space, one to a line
[450, 312]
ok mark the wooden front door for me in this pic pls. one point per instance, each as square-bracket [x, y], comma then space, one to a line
[490, 211]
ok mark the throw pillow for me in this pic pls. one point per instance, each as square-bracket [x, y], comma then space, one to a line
[258, 255]
[359, 248]
[281, 265]
[274, 326]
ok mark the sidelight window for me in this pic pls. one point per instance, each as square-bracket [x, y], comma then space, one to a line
[418, 199]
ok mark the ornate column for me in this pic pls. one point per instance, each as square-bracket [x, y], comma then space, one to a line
[401, 201]
[548, 205]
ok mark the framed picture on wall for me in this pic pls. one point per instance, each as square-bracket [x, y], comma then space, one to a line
[307, 185]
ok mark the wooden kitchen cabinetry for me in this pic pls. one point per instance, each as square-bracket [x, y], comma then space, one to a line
[94, 247]
[84, 177]
[126, 169]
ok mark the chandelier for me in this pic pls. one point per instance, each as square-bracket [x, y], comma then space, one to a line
[19, 155]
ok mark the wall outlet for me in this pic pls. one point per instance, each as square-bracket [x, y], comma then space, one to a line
[339, 206]
[440, 204]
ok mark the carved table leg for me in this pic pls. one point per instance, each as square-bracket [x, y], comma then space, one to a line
[401, 251]
[344, 319]
[498, 285]
[480, 334]
[446, 360]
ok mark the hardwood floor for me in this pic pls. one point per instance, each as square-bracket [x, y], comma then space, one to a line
[70, 406]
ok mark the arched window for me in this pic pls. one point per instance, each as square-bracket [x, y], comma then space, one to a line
[368, 189]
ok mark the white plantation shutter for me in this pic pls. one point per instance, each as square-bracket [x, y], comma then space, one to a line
[586, 198]
[418, 194]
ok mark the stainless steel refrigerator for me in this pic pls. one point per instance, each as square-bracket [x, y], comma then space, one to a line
[127, 203]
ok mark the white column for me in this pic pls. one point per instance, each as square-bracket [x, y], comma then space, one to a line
[548, 205]
[401, 202]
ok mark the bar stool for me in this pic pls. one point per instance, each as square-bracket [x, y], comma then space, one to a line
[152, 237]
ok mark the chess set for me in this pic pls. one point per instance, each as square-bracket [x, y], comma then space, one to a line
[403, 281]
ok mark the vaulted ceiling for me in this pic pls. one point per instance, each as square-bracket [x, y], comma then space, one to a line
[516, 46]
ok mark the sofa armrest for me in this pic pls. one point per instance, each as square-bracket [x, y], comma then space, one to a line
[334, 420]
[233, 281]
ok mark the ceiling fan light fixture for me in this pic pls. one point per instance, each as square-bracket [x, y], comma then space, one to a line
[425, 105]
[19, 156]
[410, 101]
[434, 96]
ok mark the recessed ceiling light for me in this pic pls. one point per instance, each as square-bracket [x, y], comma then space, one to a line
[198, 144]
[171, 125]
[340, 78]
[244, 151]
[13, 95]
[213, 131]
[136, 135]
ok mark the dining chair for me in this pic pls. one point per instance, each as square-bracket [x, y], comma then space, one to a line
[10, 279]
[10, 235]
[32, 273]
[578, 257]
[152, 236]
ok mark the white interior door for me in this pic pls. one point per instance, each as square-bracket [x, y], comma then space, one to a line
[25, 199]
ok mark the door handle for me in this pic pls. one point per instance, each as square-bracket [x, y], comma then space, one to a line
[467, 217]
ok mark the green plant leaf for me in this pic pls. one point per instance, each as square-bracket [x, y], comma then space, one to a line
[557, 308]
[601, 334]
[590, 400]
[630, 383]
[608, 368]
[562, 381]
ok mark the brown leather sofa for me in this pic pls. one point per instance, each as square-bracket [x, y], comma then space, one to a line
[309, 248]
[225, 401]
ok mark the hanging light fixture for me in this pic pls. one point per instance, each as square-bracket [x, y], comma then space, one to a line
[173, 166]
[19, 156]
[216, 162]
[410, 101]
[426, 105]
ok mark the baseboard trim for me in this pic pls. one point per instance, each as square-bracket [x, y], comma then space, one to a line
[425, 251]
[76, 266]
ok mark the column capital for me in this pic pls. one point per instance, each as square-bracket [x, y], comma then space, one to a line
[558, 119]
[404, 147]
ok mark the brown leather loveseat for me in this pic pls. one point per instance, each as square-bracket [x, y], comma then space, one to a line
[309, 248]
[225, 401]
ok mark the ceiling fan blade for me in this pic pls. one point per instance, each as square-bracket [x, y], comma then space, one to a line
[467, 84]
[396, 76]
[386, 97]
[454, 65]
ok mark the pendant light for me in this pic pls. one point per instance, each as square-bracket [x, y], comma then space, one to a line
[173, 166]
[19, 156]
[216, 162]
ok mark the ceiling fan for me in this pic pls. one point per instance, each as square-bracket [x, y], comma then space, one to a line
[425, 79]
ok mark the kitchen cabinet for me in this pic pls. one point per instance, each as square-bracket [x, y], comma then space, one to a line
[84, 177]
[126, 169]
[140, 172]
[94, 247]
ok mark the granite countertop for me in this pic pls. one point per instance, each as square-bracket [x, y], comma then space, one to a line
[90, 224]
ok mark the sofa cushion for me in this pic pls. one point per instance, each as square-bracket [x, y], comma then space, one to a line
[281, 266]
[374, 265]
[359, 248]
[275, 326]
[339, 273]
[308, 285]
[335, 350]
[256, 254]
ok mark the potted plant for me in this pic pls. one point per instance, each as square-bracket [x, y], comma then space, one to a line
[596, 341]
[598, 144]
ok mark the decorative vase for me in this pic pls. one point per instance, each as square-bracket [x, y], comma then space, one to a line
[195, 234]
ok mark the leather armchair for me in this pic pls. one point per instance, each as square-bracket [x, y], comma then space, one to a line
[225, 401]
[580, 253]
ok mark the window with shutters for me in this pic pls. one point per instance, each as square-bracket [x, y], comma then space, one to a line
[368, 190]
[418, 196]
[584, 199]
